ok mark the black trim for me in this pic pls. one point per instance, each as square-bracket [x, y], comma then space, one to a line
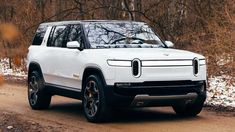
[87, 44]
[124, 95]
[159, 88]
[63, 91]
[49, 39]
[93, 68]
[34, 66]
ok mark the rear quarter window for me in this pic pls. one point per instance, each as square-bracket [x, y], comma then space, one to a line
[40, 33]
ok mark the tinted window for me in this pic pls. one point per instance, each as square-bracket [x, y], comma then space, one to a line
[58, 37]
[75, 34]
[40, 33]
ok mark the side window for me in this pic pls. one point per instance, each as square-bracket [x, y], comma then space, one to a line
[40, 33]
[76, 34]
[58, 36]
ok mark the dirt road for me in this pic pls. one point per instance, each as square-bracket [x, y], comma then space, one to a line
[66, 115]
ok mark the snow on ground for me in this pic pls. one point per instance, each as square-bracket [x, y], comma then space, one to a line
[6, 71]
[219, 93]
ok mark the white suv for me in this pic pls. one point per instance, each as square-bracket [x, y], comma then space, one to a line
[109, 64]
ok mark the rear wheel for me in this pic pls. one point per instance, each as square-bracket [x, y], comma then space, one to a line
[94, 104]
[37, 97]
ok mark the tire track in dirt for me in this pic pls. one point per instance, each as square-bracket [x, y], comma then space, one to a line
[66, 114]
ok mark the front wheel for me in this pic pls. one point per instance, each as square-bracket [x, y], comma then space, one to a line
[189, 109]
[93, 102]
[37, 97]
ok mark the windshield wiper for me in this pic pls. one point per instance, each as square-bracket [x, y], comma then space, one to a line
[124, 38]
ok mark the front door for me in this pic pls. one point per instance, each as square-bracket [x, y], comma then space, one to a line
[64, 63]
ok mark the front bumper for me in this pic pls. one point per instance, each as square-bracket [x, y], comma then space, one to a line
[157, 93]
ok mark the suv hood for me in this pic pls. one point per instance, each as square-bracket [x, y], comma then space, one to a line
[147, 53]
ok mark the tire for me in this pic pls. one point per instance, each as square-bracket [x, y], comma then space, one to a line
[93, 100]
[37, 97]
[189, 109]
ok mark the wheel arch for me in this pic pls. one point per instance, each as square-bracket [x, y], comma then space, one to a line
[91, 71]
[34, 66]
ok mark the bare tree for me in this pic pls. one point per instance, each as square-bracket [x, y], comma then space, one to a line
[40, 4]
[204, 26]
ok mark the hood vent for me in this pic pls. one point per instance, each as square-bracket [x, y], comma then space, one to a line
[136, 68]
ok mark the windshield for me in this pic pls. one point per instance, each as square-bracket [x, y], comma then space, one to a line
[121, 35]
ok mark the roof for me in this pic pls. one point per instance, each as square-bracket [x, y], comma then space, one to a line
[87, 21]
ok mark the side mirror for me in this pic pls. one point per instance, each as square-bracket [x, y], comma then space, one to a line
[73, 45]
[169, 44]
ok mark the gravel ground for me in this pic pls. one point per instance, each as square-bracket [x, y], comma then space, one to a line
[66, 114]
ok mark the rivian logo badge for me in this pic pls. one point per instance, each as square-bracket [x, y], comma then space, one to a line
[166, 54]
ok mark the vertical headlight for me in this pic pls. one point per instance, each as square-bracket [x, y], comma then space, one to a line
[136, 68]
[196, 66]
